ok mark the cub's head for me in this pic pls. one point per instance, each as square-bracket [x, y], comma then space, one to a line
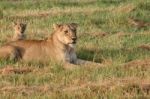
[66, 33]
[19, 27]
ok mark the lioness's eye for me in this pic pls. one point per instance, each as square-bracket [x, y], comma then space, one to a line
[66, 31]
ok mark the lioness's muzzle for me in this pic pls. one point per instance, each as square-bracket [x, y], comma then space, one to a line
[74, 40]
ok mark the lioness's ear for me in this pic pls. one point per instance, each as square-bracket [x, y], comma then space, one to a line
[56, 26]
[24, 24]
[75, 25]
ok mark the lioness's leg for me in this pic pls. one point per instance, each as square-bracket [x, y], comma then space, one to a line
[87, 63]
[9, 52]
[84, 63]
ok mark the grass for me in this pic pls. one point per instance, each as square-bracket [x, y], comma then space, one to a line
[111, 32]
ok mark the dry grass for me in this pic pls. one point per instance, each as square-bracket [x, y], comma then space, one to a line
[53, 12]
[129, 85]
[145, 46]
[26, 90]
[10, 70]
[144, 64]
[124, 8]
[92, 48]
[138, 23]
[99, 34]
[125, 34]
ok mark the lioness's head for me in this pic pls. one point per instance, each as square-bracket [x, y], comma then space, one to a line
[19, 27]
[66, 33]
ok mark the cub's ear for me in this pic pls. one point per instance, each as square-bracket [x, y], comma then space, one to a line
[56, 26]
[74, 25]
[14, 23]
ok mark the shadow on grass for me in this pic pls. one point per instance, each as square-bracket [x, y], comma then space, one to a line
[89, 55]
[76, 4]
[112, 2]
[123, 54]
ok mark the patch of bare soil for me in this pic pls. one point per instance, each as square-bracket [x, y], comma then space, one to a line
[144, 64]
[122, 34]
[135, 88]
[10, 70]
[145, 46]
[107, 61]
[99, 34]
[26, 90]
[124, 8]
[138, 23]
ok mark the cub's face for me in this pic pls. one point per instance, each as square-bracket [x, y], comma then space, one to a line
[66, 33]
[19, 27]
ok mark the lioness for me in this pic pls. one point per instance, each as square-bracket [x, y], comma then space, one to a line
[58, 47]
[19, 29]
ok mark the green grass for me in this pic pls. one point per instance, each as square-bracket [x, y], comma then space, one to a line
[113, 81]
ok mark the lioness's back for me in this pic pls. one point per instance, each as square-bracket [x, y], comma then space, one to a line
[31, 49]
[26, 43]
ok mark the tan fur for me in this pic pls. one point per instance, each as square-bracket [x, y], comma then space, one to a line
[19, 29]
[58, 47]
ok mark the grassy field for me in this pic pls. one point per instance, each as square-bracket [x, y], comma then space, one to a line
[115, 33]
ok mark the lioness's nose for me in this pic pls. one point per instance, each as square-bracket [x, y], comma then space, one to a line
[74, 38]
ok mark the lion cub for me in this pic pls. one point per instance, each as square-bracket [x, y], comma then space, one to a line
[19, 29]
